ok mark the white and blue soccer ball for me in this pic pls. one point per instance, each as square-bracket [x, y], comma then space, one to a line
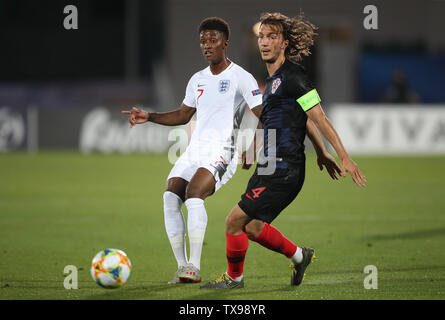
[111, 268]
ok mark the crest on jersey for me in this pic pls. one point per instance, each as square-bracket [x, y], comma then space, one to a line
[275, 84]
[224, 86]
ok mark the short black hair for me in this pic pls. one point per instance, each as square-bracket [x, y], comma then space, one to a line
[215, 23]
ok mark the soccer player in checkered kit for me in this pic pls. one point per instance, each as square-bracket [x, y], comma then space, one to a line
[289, 99]
[218, 95]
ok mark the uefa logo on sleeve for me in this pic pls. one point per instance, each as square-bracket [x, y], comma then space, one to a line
[224, 86]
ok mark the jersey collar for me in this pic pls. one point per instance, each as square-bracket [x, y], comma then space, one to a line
[279, 70]
[219, 74]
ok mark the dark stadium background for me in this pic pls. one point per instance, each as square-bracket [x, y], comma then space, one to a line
[143, 52]
[71, 170]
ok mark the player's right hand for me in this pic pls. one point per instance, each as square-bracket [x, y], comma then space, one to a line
[351, 167]
[245, 164]
[136, 116]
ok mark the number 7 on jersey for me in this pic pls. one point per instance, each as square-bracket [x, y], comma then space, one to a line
[201, 92]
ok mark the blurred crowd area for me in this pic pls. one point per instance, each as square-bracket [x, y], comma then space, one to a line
[142, 53]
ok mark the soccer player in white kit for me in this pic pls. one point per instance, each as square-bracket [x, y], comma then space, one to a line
[219, 95]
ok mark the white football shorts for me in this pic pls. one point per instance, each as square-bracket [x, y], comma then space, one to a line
[221, 162]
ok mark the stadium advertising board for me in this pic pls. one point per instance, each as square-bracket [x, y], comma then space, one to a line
[364, 129]
[13, 129]
[101, 131]
[390, 129]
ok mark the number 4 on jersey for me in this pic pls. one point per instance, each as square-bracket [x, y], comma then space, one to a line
[256, 192]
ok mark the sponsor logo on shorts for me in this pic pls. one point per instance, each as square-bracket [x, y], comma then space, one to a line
[219, 161]
[220, 167]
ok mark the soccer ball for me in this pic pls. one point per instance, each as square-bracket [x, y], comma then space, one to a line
[111, 268]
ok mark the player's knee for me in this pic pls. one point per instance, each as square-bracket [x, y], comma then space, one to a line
[194, 191]
[177, 186]
[250, 233]
[191, 192]
[231, 226]
[253, 229]
[234, 225]
[229, 221]
[176, 193]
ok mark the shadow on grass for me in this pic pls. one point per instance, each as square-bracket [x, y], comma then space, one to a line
[418, 234]
[188, 292]
[49, 284]
[381, 269]
[88, 290]
[146, 292]
[254, 289]
[238, 294]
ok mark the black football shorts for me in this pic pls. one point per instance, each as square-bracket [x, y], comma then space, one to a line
[267, 195]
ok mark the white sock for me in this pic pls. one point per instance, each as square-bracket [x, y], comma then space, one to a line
[196, 225]
[237, 279]
[175, 226]
[298, 256]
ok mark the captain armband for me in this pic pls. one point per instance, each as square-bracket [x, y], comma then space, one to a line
[309, 100]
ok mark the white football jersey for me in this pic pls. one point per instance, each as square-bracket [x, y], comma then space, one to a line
[220, 101]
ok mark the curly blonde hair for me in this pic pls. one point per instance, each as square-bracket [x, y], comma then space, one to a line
[299, 32]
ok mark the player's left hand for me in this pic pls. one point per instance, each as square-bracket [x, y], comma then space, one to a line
[351, 167]
[328, 161]
[244, 164]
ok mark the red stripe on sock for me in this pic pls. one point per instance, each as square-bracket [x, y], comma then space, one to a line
[271, 238]
[236, 248]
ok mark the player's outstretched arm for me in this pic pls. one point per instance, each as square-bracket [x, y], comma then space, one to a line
[324, 159]
[319, 118]
[172, 118]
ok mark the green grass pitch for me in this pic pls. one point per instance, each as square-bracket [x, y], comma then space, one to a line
[61, 208]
